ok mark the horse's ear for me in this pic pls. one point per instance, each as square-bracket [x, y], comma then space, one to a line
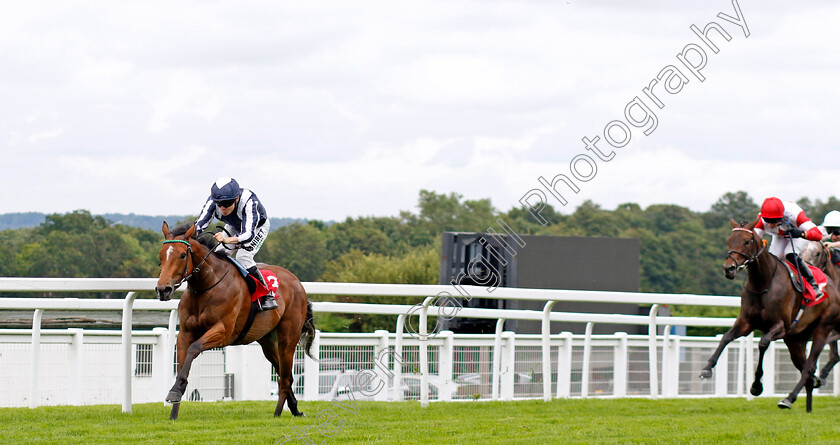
[165, 230]
[733, 223]
[190, 232]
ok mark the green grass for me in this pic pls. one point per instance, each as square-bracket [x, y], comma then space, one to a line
[624, 421]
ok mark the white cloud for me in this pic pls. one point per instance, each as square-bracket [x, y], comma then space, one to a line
[341, 109]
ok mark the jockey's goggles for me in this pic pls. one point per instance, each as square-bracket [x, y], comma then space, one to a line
[833, 231]
[226, 203]
[772, 220]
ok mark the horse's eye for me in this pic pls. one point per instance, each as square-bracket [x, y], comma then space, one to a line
[183, 256]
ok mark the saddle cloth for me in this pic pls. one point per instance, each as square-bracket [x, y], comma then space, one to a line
[269, 276]
[809, 296]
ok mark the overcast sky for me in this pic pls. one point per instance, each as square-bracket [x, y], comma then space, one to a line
[335, 109]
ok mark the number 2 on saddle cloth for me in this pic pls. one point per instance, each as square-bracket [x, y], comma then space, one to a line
[257, 289]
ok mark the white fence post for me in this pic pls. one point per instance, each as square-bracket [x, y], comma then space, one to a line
[652, 353]
[74, 376]
[769, 380]
[722, 372]
[508, 366]
[564, 366]
[381, 353]
[162, 376]
[740, 368]
[424, 352]
[750, 363]
[670, 365]
[546, 350]
[36, 358]
[620, 357]
[445, 359]
[587, 356]
[497, 358]
[127, 350]
[398, 354]
[311, 369]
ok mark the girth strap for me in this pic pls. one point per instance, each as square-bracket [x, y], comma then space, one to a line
[251, 314]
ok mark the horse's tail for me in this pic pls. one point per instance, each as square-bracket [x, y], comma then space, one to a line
[307, 333]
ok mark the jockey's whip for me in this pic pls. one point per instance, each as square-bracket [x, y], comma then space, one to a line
[801, 280]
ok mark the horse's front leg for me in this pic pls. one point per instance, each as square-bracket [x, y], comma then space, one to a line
[183, 342]
[774, 333]
[739, 329]
[188, 350]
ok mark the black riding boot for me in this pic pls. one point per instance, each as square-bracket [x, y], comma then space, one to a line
[267, 301]
[805, 271]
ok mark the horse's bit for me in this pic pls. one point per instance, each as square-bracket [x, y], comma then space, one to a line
[749, 258]
[186, 277]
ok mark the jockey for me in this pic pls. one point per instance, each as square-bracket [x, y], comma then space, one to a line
[244, 217]
[788, 225]
[831, 230]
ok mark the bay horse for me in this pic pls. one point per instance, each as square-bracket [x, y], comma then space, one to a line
[214, 311]
[770, 303]
[819, 255]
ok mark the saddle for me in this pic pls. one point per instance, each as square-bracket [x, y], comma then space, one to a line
[256, 288]
[809, 295]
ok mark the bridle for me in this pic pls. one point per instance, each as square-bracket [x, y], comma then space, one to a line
[749, 258]
[185, 276]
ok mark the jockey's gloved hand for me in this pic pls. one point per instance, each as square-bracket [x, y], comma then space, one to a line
[796, 233]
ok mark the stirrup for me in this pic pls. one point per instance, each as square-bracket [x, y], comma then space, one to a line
[267, 302]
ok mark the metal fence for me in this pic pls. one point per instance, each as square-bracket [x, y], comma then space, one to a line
[74, 366]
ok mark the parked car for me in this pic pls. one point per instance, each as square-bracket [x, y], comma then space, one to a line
[342, 385]
[411, 386]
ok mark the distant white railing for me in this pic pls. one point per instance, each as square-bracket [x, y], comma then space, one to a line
[669, 345]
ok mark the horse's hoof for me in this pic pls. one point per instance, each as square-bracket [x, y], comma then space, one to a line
[785, 404]
[706, 373]
[173, 397]
[817, 382]
[756, 389]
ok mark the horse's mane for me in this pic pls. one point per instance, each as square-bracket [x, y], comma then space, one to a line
[205, 239]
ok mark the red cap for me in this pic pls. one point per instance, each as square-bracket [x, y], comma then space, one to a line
[772, 208]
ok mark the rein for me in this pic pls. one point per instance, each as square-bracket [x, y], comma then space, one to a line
[750, 259]
[196, 269]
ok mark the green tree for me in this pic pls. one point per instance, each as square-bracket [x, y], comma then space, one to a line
[419, 265]
[738, 206]
[819, 209]
[440, 213]
[301, 248]
[80, 245]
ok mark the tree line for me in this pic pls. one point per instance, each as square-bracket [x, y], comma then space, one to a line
[682, 251]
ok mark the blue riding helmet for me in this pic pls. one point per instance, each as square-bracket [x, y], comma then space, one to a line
[225, 189]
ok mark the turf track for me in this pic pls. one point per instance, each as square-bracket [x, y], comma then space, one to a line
[624, 421]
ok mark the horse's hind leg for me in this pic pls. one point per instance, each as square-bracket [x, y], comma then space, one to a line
[833, 358]
[806, 368]
[276, 351]
[772, 334]
[286, 365]
[272, 353]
